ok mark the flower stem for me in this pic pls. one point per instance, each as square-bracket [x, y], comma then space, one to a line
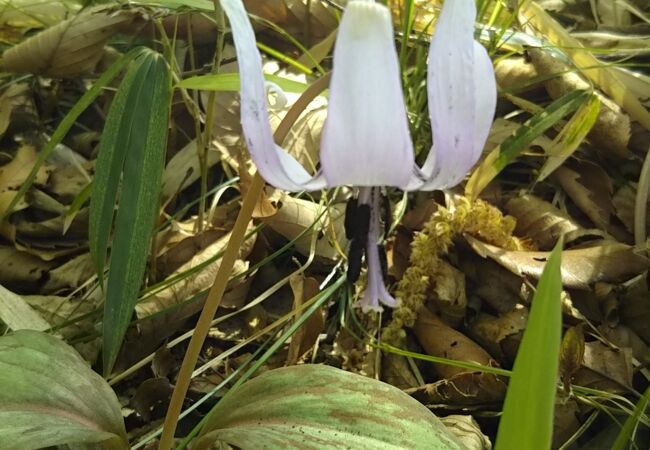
[223, 274]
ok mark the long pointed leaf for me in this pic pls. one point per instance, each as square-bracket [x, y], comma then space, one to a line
[114, 145]
[142, 129]
[527, 420]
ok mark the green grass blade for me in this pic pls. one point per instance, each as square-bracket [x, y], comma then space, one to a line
[148, 105]
[512, 147]
[571, 136]
[69, 120]
[624, 438]
[527, 420]
[230, 82]
[116, 142]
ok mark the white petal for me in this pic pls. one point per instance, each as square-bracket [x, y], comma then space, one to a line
[462, 98]
[366, 140]
[275, 165]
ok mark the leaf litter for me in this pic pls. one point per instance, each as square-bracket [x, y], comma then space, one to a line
[465, 270]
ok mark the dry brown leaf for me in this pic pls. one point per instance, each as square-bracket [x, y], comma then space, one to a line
[295, 215]
[544, 223]
[460, 390]
[14, 174]
[396, 371]
[17, 314]
[607, 261]
[623, 336]
[498, 287]
[611, 132]
[517, 74]
[590, 188]
[605, 78]
[467, 431]
[75, 312]
[181, 290]
[438, 339]
[22, 272]
[605, 368]
[9, 99]
[72, 47]
[447, 294]
[624, 202]
[490, 331]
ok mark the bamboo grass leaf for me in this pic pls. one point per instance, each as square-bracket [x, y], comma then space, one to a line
[132, 155]
[527, 420]
[512, 147]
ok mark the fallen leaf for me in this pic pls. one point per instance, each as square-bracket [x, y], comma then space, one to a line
[544, 223]
[72, 47]
[17, 314]
[607, 261]
[590, 188]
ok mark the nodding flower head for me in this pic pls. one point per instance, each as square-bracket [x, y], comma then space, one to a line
[366, 140]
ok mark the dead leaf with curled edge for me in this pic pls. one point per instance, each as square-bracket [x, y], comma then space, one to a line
[607, 261]
[606, 368]
[459, 385]
[14, 174]
[467, 431]
[491, 331]
[590, 188]
[20, 271]
[184, 288]
[295, 215]
[72, 47]
[611, 131]
[544, 223]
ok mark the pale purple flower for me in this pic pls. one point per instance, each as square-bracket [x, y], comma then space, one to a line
[366, 141]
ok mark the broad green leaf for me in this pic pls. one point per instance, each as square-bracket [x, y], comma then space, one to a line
[132, 155]
[624, 438]
[318, 406]
[527, 420]
[70, 119]
[571, 136]
[230, 82]
[512, 147]
[50, 396]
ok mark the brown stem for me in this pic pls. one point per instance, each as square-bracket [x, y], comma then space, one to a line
[223, 274]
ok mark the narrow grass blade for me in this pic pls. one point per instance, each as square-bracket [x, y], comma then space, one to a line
[527, 420]
[624, 438]
[69, 120]
[571, 136]
[134, 146]
[512, 147]
[230, 82]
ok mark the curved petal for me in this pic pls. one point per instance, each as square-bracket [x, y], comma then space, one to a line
[366, 140]
[375, 292]
[276, 166]
[462, 98]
